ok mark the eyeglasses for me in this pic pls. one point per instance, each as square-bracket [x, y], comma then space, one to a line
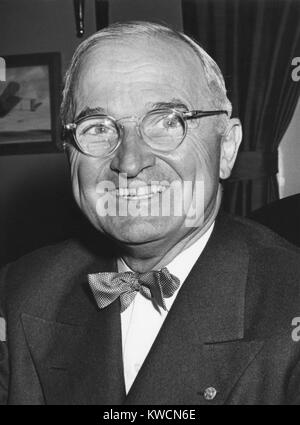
[161, 129]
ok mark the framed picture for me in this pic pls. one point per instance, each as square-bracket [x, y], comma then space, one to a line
[29, 104]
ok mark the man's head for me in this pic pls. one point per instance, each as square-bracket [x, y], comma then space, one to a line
[128, 70]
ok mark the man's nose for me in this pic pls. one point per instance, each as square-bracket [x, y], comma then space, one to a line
[133, 155]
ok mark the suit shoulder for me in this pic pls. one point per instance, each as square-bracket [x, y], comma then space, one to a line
[45, 273]
[261, 237]
[270, 254]
[45, 259]
[273, 286]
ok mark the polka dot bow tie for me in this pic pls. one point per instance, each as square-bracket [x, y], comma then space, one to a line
[154, 285]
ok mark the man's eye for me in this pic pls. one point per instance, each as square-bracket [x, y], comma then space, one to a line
[171, 122]
[95, 130]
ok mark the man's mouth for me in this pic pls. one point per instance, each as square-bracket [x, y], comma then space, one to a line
[142, 192]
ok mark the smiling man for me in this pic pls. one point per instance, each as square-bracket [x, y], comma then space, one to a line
[148, 91]
[169, 302]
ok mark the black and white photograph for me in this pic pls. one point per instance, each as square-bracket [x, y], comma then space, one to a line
[149, 205]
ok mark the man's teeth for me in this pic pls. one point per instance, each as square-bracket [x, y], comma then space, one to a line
[140, 192]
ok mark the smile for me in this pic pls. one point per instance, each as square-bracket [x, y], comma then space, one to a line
[138, 193]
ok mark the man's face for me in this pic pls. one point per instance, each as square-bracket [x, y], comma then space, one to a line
[129, 78]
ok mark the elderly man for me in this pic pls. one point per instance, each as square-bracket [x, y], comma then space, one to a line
[169, 302]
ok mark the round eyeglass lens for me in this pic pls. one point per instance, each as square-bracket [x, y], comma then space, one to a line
[97, 136]
[163, 130]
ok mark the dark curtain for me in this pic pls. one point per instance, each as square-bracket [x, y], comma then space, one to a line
[253, 42]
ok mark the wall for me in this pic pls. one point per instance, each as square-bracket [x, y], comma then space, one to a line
[32, 26]
[152, 10]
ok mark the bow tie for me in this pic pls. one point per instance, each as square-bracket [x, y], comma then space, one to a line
[154, 285]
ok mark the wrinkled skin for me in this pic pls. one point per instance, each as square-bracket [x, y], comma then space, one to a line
[126, 78]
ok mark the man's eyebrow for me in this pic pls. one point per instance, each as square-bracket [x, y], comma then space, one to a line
[175, 103]
[89, 111]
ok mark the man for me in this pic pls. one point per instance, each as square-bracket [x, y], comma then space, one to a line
[180, 307]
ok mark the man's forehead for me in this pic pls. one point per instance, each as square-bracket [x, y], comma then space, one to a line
[159, 52]
[164, 68]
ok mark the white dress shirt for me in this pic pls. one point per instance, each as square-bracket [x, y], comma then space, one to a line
[141, 321]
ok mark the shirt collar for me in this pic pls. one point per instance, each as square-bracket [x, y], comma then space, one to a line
[182, 264]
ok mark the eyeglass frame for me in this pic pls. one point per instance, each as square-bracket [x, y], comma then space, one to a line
[185, 116]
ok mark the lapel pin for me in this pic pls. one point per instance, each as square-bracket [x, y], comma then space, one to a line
[210, 393]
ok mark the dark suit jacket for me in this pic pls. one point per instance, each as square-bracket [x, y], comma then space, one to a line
[229, 328]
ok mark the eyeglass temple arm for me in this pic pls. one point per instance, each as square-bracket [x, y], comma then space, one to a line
[198, 114]
[66, 128]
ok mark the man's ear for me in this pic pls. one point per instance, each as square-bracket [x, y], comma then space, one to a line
[229, 147]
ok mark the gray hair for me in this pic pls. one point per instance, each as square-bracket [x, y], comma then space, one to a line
[212, 73]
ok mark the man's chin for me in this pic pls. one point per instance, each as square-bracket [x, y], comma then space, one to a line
[137, 230]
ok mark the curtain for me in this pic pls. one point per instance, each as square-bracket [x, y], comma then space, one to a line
[253, 42]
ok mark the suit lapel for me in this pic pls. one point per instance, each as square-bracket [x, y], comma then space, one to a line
[78, 356]
[201, 343]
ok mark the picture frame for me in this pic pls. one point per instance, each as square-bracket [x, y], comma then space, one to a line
[29, 104]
